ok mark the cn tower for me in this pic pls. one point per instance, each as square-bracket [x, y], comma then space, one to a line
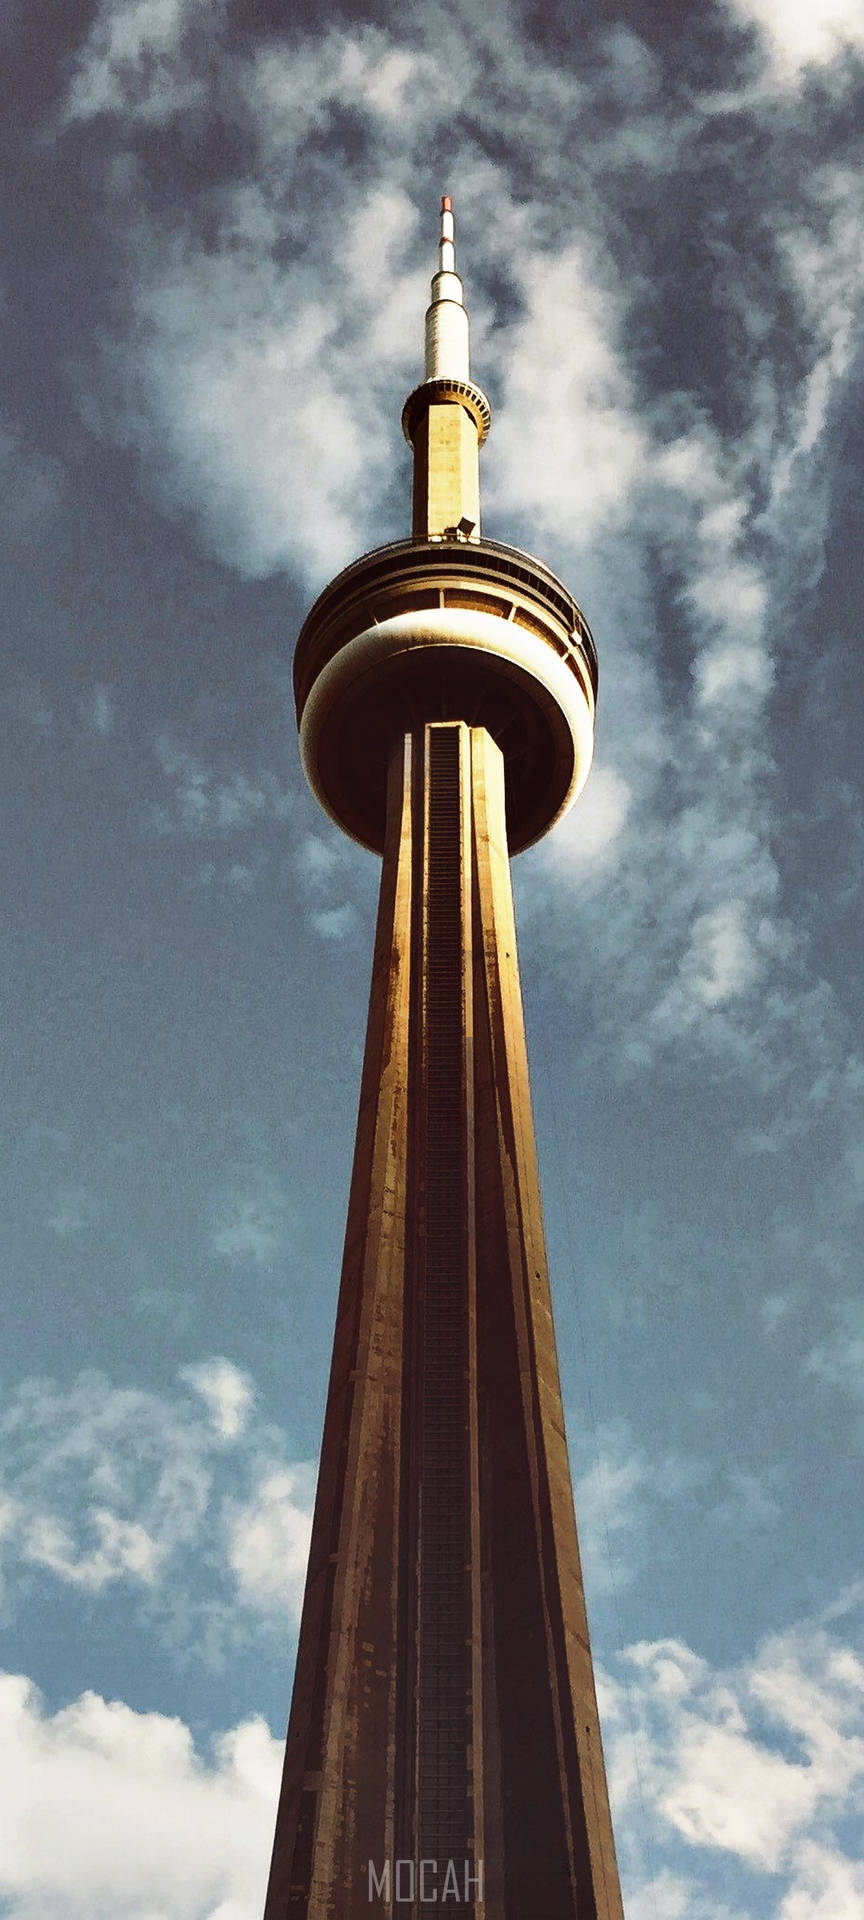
[444, 1744]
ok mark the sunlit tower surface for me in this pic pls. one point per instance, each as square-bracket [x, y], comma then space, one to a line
[444, 1744]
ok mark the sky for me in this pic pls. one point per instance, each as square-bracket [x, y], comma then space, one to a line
[220, 221]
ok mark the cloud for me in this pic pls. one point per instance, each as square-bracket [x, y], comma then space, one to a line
[838, 1358]
[136, 62]
[98, 710]
[828, 1887]
[398, 86]
[33, 486]
[141, 1824]
[269, 1540]
[242, 389]
[720, 962]
[325, 868]
[586, 837]
[669, 1896]
[568, 441]
[797, 34]
[251, 1219]
[75, 1208]
[619, 1496]
[116, 1548]
[209, 802]
[686, 800]
[106, 1486]
[334, 923]
[761, 1764]
[318, 859]
[108, 1483]
[227, 1393]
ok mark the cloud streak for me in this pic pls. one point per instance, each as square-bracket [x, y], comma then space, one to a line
[106, 1486]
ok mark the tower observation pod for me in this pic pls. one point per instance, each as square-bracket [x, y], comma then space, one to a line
[444, 1743]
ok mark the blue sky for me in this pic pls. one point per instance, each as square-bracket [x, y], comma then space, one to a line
[220, 226]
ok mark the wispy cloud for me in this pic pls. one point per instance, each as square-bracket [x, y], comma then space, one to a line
[622, 1495]
[210, 801]
[75, 1209]
[837, 1357]
[250, 1219]
[105, 1485]
[327, 867]
[227, 1393]
[137, 61]
[98, 711]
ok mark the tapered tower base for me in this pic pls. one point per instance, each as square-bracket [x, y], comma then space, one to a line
[444, 1742]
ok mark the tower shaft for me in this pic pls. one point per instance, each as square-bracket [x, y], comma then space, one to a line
[446, 490]
[444, 1708]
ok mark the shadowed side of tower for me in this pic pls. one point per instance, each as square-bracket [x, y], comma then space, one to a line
[444, 1742]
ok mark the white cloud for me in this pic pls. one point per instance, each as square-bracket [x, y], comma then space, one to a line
[122, 1547]
[252, 402]
[587, 837]
[389, 80]
[269, 1539]
[720, 961]
[399, 89]
[822, 256]
[242, 385]
[32, 486]
[568, 441]
[142, 1827]
[731, 671]
[669, 1896]
[798, 34]
[133, 62]
[99, 711]
[334, 923]
[227, 1393]
[108, 1483]
[609, 1501]
[827, 1887]
[317, 860]
[755, 1819]
[103, 1485]
[761, 1762]
[323, 867]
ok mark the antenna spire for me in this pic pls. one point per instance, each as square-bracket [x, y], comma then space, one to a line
[447, 316]
[446, 243]
[446, 418]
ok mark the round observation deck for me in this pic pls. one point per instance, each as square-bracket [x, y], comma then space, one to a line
[446, 629]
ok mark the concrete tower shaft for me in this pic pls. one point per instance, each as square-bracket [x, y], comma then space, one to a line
[444, 1707]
